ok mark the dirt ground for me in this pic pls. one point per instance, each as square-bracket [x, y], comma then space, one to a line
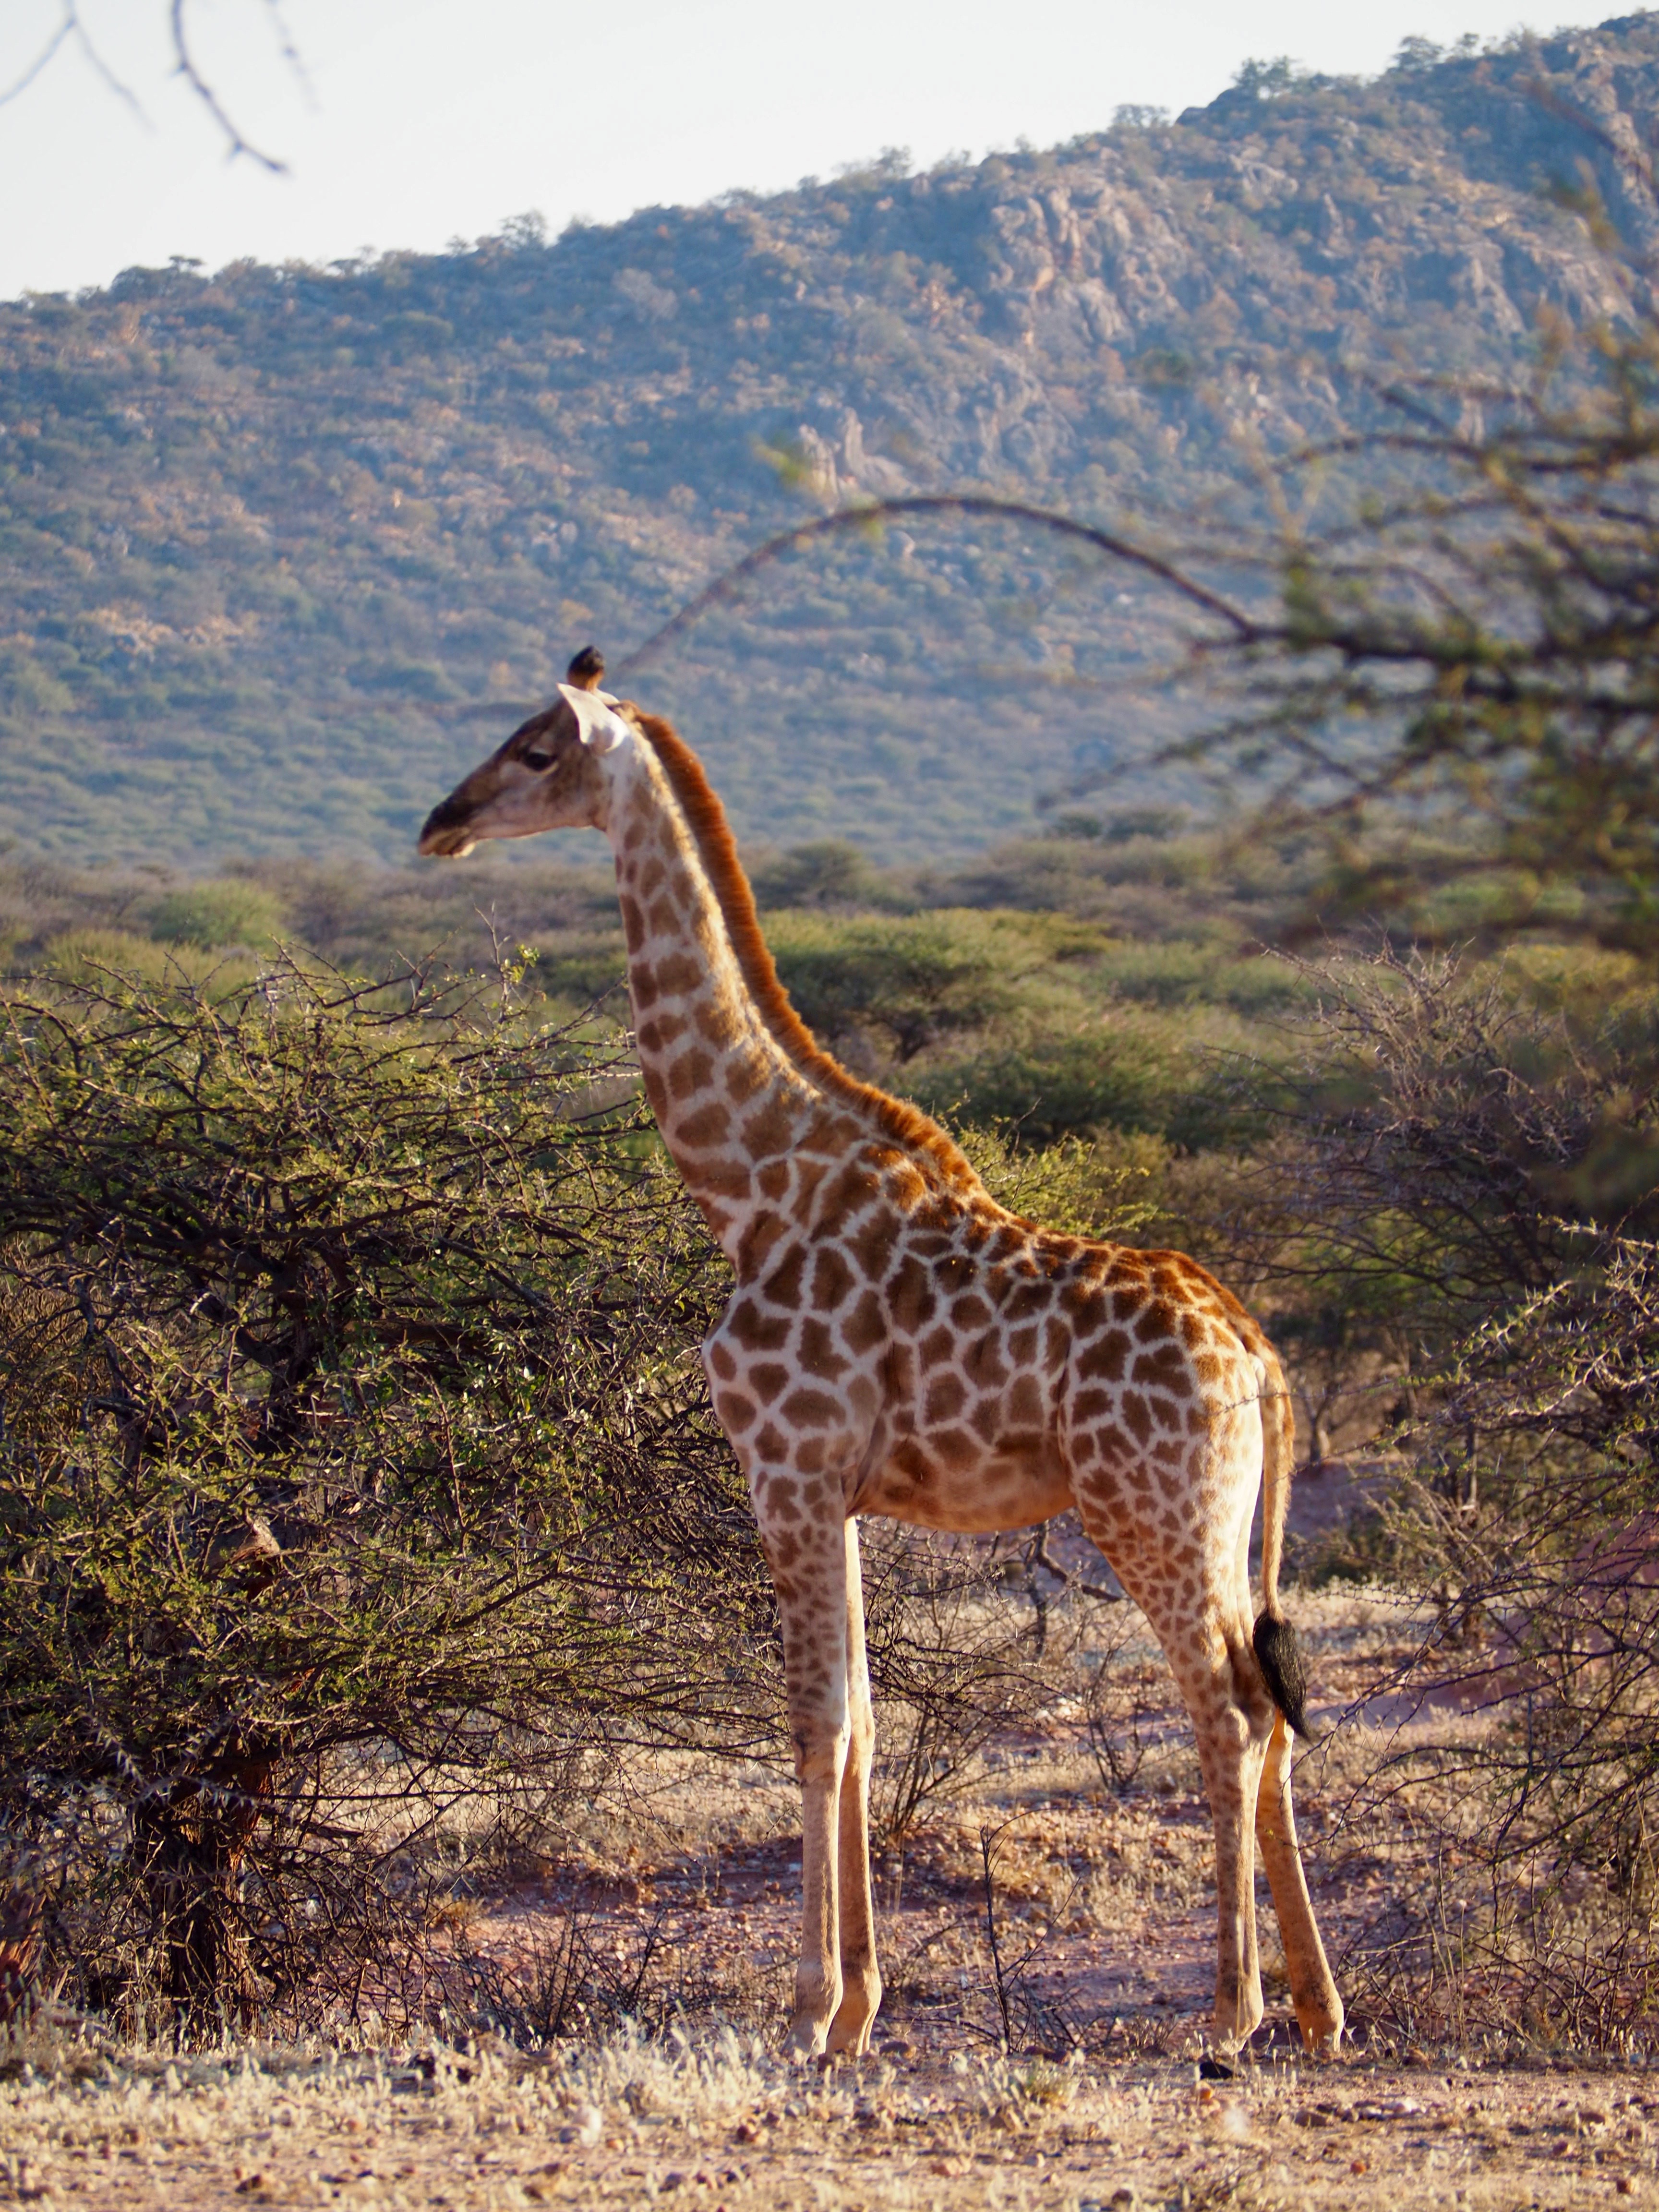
[638, 1981]
[713, 2124]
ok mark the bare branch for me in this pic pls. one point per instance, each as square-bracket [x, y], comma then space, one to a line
[1040, 1556]
[71, 26]
[185, 66]
[725, 586]
[286, 46]
[123, 92]
[66, 29]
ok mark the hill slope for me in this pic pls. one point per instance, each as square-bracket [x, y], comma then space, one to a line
[273, 542]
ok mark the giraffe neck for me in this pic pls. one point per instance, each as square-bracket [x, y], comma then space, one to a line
[736, 1082]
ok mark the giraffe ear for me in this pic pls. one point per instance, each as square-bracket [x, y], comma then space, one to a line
[600, 727]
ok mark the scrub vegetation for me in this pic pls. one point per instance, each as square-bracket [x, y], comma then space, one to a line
[390, 1691]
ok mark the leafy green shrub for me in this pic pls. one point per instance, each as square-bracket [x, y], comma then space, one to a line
[830, 873]
[896, 989]
[906, 981]
[1123, 1075]
[79, 953]
[232, 911]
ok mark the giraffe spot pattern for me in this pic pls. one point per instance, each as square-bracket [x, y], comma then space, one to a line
[817, 1355]
[832, 1278]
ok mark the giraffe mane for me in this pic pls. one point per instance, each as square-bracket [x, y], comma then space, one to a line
[907, 1125]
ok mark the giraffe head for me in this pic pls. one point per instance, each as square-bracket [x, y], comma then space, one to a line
[553, 773]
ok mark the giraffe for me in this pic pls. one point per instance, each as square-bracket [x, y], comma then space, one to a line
[898, 1344]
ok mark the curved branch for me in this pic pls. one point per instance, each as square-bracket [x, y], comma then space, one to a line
[185, 66]
[66, 29]
[71, 26]
[725, 586]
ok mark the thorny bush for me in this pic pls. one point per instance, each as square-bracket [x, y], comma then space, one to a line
[356, 1463]
[1465, 1171]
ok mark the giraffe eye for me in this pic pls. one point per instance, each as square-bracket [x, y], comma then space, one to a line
[537, 761]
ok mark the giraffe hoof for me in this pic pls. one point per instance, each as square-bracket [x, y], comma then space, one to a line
[1236, 2025]
[849, 2031]
[1322, 2027]
[806, 2037]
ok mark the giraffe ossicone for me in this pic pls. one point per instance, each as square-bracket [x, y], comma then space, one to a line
[601, 727]
[899, 1344]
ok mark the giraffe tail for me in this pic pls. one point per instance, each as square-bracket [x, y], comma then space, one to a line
[1277, 1650]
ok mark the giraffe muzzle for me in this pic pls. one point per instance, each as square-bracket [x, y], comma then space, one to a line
[445, 835]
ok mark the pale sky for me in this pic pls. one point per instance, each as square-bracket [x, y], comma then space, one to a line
[421, 120]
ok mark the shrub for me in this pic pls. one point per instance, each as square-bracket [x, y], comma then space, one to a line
[1462, 1185]
[211, 915]
[356, 1463]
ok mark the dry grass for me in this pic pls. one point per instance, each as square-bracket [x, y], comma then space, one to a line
[719, 2119]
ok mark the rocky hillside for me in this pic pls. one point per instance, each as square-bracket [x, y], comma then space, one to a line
[283, 548]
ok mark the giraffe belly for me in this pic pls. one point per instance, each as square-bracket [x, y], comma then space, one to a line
[991, 1489]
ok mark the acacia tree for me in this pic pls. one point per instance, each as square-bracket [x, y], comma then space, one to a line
[355, 1465]
[1461, 681]
[1453, 676]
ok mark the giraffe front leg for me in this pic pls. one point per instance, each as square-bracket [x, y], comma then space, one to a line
[849, 2031]
[1229, 1755]
[808, 1561]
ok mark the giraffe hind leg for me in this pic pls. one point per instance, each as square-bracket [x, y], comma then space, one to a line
[1208, 1648]
[1232, 1732]
[1313, 1989]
